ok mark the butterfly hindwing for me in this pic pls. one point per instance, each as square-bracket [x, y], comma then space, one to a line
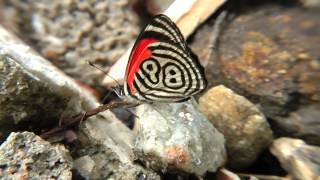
[161, 66]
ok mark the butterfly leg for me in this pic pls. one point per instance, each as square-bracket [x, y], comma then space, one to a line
[134, 114]
[104, 100]
[83, 117]
[61, 119]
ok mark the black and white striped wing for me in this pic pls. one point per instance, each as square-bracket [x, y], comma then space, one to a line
[161, 66]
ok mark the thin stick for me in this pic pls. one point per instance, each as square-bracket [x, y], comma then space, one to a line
[82, 117]
[217, 27]
[271, 177]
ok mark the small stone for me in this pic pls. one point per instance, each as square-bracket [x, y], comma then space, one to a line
[303, 123]
[84, 165]
[225, 174]
[245, 128]
[310, 3]
[301, 160]
[176, 136]
[110, 162]
[25, 155]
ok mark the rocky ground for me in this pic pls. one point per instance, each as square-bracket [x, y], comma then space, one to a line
[258, 118]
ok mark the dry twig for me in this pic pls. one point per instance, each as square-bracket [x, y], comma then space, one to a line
[69, 122]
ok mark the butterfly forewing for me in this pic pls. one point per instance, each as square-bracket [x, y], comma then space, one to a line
[161, 67]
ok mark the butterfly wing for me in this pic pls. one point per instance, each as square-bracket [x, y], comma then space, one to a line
[161, 67]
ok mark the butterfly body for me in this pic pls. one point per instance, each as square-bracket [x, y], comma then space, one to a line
[161, 67]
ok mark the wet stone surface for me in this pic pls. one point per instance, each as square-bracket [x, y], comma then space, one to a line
[177, 136]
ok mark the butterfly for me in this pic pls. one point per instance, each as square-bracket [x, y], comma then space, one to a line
[161, 67]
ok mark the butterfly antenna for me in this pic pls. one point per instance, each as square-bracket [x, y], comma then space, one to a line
[99, 68]
[217, 28]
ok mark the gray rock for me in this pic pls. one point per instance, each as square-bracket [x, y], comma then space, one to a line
[95, 165]
[38, 88]
[301, 160]
[24, 98]
[26, 156]
[84, 165]
[35, 92]
[111, 156]
[303, 123]
[176, 136]
[245, 128]
[70, 33]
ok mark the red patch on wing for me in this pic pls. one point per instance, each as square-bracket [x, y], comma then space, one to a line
[139, 54]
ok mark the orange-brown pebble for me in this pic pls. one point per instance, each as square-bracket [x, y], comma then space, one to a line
[50, 54]
[176, 155]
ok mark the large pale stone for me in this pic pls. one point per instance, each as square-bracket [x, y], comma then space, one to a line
[176, 136]
[301, 160]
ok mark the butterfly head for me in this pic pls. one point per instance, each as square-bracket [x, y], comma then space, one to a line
[119, 91]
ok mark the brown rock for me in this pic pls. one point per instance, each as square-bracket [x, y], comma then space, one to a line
[303, 123]
[225, 174]
[271, 56]
[302, 161]
[245, 128]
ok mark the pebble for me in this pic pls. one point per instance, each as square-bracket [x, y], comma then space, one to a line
[25, 155]
[245, 128]
[300, 160]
